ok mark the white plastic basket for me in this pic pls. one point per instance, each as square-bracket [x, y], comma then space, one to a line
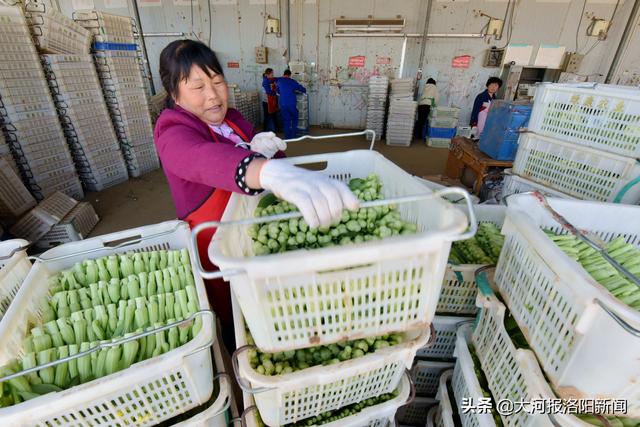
[445, 327]
[217, 413]
[381, 415]
[459, 288]
[391, 285]
[605, 117]
[14, 267]
[513, 374]
[426, 375]
[465, 382]
[571, 322]
[578, 171]
[434, 186]
[444, 414]
[415, 413]
[288, 398]
[514, 184]
[128, 397]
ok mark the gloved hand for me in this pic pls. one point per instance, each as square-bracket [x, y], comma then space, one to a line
[267, 144]
[319, 198]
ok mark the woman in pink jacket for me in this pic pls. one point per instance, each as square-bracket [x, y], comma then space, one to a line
[209, 151]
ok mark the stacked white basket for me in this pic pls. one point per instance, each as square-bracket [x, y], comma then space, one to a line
[121, 73]
[14, 267]
[584, 142]
[15, 198]
[571, 322]
[271, 284]
[402, 113]
[144, 394]
[53, 32]
[377, 104]
[29, 115]
[85, 119]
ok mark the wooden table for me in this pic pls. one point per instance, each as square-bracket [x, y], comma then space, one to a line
[464, 153]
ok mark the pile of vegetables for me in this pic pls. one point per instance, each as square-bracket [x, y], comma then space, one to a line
[600, 269]
[338, 414]
[363, 225]
[100, 300]
[296, 360]
[483, 248]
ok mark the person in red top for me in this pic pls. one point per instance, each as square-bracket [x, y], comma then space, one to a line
[209, 151]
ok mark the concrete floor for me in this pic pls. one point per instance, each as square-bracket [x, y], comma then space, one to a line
[147, 200]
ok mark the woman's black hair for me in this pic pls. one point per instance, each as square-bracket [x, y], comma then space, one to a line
[267, 71]
[494, 80]
[431, 81]
[176, 61]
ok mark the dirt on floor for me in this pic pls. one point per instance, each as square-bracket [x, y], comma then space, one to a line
[147, 200]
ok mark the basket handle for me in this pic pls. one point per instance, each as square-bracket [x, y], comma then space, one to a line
[227, 403]
[15, 251]
[247, 411]
[473, 226]
[244, 384]
[337, 135]
[623, 323]
[114, 244]
[118, 342]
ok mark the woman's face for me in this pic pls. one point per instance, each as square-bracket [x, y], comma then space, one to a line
[493, 88]
[204, 96]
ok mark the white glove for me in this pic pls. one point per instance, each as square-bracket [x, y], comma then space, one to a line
[319, 198]
[267, 144]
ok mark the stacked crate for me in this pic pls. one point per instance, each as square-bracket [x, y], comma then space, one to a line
[583, 143]
[121, 74]
[28, 113]
[402, 113]
[443, 122]
[15, 199]
[300, 73]
[377, 104]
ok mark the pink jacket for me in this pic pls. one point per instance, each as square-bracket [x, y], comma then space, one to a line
[193, 163]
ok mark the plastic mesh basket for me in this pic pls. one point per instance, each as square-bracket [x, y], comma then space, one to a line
[459, 288]
[289, 398]
[14, 267]
[444, 414]
[578, 171]
[415, 413]
[445, 327]
[571, 322]
[144, 394]
[426, 374]
[381, 415]
[465, 382]
[605, 117]
[350, 291]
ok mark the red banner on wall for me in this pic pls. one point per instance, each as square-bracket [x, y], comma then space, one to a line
[356, 61]
[461, 61]
[383, 60]
[233, 65]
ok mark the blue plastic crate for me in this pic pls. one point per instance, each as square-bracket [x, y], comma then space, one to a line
[441, 132]
[499, 139]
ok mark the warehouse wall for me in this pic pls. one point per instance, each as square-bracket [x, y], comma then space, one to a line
[338, 95]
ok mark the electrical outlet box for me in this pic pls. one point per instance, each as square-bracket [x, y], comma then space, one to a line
[573, 63]
[493, 57]
[261, 55]
[495, 27]
[273, 25]
[599, 28]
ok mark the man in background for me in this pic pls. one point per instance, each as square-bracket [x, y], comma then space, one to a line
[269, 100]
[287, 89]
[428, 99]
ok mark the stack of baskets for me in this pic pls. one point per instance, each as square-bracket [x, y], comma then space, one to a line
[583, 143]
[377, 104]
[121, 73]
[443, 122]
[456, 308]
[402, 113]
[307, 298]
[15, 198]
[28, 113]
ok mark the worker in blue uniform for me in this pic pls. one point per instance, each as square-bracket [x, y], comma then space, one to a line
[287, 88]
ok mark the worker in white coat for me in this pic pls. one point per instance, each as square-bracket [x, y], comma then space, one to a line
[429, 98]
